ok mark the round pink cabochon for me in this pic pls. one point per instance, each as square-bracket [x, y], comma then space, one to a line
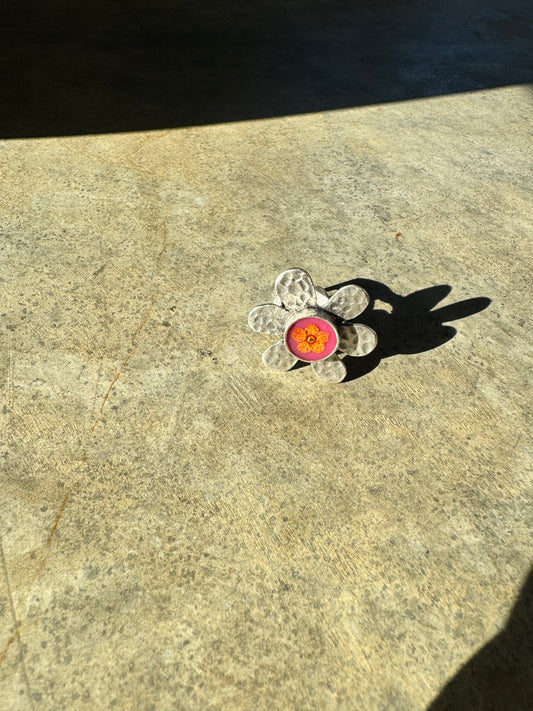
[331, 345]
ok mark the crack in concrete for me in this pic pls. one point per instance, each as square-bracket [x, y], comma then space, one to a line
[16, 634]
[125, 361]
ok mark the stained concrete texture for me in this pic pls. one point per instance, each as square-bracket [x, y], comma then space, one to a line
[182, 529]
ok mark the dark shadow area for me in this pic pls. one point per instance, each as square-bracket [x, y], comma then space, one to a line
[411, 326]
[127, 65]
[500, 676]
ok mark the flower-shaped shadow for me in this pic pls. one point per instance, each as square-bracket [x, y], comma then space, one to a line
[314, 325]
[410, 326]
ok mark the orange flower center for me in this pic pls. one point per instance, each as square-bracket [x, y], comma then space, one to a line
[310, 339]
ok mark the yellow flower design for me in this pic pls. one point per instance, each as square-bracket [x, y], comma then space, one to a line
[310, 338]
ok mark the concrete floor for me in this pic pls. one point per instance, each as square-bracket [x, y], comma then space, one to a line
[182, 529]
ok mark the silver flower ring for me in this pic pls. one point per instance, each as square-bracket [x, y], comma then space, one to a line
[313, 325]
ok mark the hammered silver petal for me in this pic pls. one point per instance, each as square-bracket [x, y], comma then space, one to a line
[268, 318]
[330, 370]
[276, 299]
[295, 288]
[356, 339]
[348, 302]
[322, 297]
[278, 357]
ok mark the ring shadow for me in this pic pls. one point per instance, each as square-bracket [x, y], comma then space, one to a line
[411, 326]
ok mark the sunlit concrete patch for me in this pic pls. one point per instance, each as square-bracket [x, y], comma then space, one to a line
[230, 537]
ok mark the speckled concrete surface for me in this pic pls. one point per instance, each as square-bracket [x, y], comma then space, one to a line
[182, 529]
